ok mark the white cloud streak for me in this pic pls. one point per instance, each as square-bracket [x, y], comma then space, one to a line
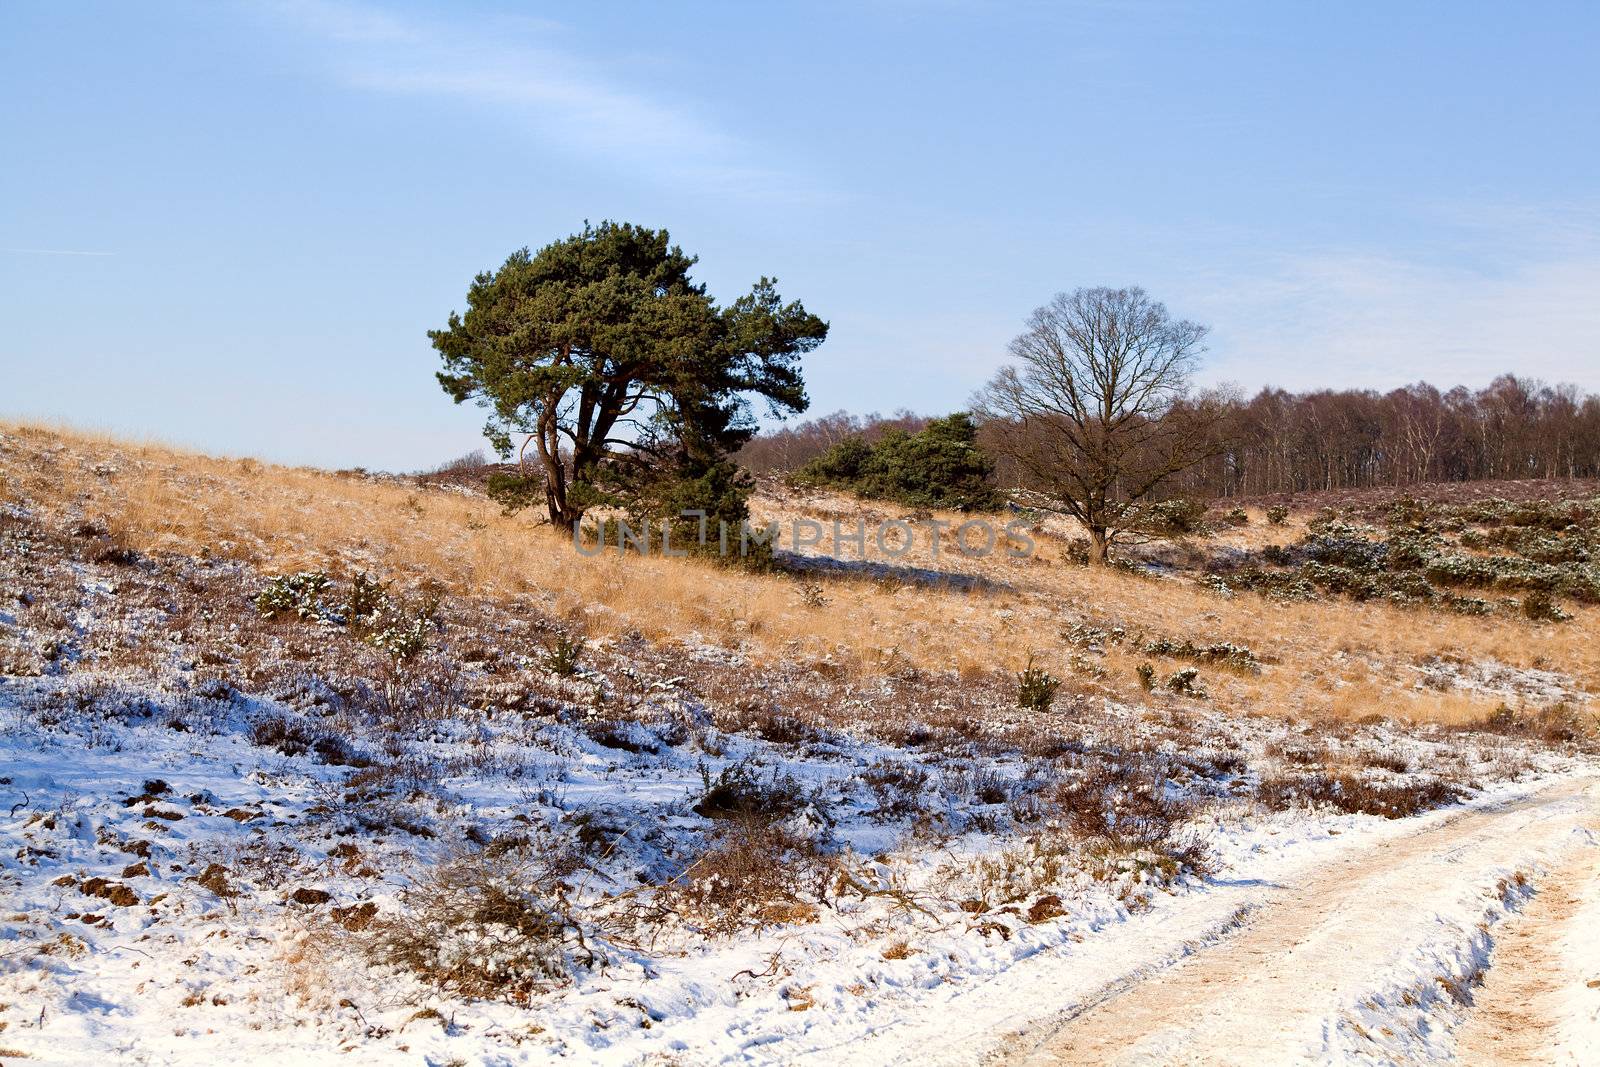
[557, 97]
[1506, 290]
[54, 252]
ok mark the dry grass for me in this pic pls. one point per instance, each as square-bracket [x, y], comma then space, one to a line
[1336, 659]
[753, 875]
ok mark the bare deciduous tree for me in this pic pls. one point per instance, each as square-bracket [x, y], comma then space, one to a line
[1095, 411]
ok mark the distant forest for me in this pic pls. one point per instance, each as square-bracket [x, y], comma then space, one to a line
[1282, 442]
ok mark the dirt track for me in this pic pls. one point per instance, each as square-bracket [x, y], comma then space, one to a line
[1270, 992]
[1518, 1007]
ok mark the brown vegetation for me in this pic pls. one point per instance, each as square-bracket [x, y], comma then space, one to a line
[882, 616]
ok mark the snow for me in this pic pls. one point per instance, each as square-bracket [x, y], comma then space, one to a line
[182, 975]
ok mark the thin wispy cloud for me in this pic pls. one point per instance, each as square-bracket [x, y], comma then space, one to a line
[1515, 293]
[54, 252]
[514, 68]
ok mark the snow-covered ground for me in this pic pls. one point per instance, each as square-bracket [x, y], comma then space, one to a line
[234, 837]
[163, 968]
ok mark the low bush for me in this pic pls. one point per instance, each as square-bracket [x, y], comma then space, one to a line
[1542, 546]
[897, 786]
[294, 594]
[1278, 555]
[625, 735]
[1411, 551]
[980, 785]
[1558, 724]
[1186, 682]
[940, 466]
[295, 737]
[1341, 545]
[1121, 807]
[493, 925]
[1356, 794]
[1036, 688]
[397, 625]
[753, 874]
[1172, 518]
[1223, 654]
[365, 597]
[1147, 676]
[1094, 638]
[739, 792]
[1494, 572]
[1283, 585]
[1539, 606]
[400, 626]
[562, 655]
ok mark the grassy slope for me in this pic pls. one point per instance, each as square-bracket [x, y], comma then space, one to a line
[1333, 659]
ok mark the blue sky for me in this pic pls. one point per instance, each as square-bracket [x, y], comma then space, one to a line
[230, 224]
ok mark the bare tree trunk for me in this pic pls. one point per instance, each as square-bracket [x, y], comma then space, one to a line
[1097, 546]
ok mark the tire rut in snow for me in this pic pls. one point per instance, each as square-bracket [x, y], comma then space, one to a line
[1518, 1012]
[1273, 991]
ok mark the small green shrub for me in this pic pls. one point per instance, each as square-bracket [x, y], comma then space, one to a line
[562, 655]
[404, 639]
[1277, 514]
[1094, 638]
[1147, 676]
[371, 613]
[367, 595]
[1172, 518]
[812, 595]
[1186, 682]
[1540, 606]
[294, 594]
[1036, 688]
[1223, 654]
[398, 626]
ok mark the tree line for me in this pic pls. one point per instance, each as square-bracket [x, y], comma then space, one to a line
[1281, 442]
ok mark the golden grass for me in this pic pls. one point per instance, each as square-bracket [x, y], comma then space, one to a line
[1336, 658]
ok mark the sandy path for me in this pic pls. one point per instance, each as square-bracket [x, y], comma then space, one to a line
[1274, 991]
[1519, 1012]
